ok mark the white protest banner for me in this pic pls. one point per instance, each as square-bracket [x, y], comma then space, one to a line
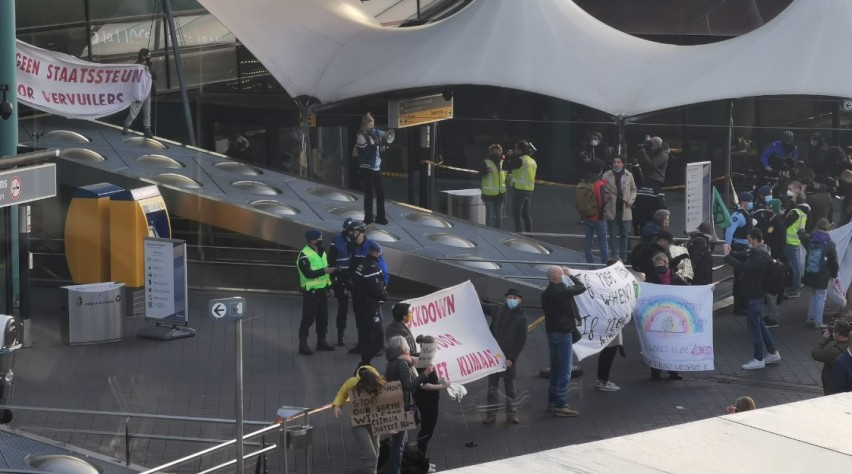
[63, 85]
[385, 413]
[842, 236]
[605, 307]
[466, 349]
[675, 326]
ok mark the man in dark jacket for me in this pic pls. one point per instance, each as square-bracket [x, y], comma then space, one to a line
[754, 264]
[831, 345]
[654, 160]
[368, 294]
[560, 321]
[649, 199]
[339, 257]
[841, 371]
[401, 313]
[700, 248]
[509, 328]
[642, 255]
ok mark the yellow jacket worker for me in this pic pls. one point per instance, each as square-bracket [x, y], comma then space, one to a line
[315, 281]
[522, 168]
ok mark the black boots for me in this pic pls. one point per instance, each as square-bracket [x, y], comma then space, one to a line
[323, 345]
[148, 133]
[124, 130]
[340, 342]
[304, 349]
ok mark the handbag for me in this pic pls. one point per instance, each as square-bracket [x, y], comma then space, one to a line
[576, 335]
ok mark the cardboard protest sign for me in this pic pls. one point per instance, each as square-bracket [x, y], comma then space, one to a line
[675, 325]
[426, 355]
[385, 413]
[605, 307]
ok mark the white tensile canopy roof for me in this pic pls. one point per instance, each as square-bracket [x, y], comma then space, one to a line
[334, 50]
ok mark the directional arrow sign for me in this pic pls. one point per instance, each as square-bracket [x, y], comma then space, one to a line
[219, 310]
[228, 308]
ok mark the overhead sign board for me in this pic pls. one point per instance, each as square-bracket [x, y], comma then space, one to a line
[419, 111]
[227, 308]
[26, 184]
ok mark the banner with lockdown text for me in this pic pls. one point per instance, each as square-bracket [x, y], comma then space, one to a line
[466, 350]
[605, 307]
[63, 85]
[675, 326]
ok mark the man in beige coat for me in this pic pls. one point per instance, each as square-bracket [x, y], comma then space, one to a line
[621, 188]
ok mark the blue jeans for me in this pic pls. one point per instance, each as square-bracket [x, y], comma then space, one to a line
[817, 305]
[792, 254]
[561, 358]
[394, 463]
[757, 329]
[617, 230]
[600, 228]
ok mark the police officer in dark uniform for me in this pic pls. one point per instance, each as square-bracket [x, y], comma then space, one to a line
[368, 293]
[315, 281]
[736, 239]
[339, 257]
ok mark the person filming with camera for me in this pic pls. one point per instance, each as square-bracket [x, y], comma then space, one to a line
[654, 160]
[831, 345]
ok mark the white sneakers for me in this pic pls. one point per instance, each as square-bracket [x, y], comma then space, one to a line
[606, 386]
[772, 358]
[755, 364]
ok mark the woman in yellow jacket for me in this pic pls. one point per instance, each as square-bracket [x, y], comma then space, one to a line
[366, 380]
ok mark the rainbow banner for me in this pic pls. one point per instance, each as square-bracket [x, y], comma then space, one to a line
[675, 326]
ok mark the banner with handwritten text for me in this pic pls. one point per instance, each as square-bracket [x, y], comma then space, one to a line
[466, 350]
[675, 325]
[63, 85]
[605, 307]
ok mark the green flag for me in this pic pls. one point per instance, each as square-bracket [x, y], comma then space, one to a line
[721, 216]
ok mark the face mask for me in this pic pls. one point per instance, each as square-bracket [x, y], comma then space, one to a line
[750, 206]
[512, 304]
[661, 269]
[596, 142]
[789, 193]
[617, 169]
[767, 199]
[319, 244]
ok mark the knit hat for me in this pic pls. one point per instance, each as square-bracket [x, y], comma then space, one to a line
[313, 234]
[746, 196]
[775, 205]
[764, 191]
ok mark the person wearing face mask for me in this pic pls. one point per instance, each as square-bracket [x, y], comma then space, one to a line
[754, 263]
[771, 222]
[764, 194]
[493, 186]
[339, 257]
[795, 221]
[664, 275]
[736, 238]
[315, 282]
[594, 149]
[618, 210]
[560, 321]
[509, 328]
[368, 293]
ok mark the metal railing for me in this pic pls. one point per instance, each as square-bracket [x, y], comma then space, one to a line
[128, 436]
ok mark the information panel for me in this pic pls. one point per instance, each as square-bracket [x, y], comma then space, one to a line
[165, 281]
[698, 199]
[419, 111]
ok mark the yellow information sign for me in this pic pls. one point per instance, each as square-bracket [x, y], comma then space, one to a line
[419, 111]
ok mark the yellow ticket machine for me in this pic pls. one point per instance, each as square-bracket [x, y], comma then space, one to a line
[134, 215]
[87, 233]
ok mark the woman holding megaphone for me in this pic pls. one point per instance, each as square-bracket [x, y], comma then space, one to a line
[370, 142]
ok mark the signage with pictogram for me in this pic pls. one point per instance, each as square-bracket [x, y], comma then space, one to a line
[15, 188]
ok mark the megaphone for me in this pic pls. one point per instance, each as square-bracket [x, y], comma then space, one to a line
[387, 136]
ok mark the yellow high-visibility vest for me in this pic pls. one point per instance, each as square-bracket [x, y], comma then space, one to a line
[523, 178]
[494, 183]
[317, 263]
[793, 230]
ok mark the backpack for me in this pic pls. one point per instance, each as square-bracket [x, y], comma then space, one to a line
[776, 277]
[586, 200]
[814, 262]
[692, 247]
